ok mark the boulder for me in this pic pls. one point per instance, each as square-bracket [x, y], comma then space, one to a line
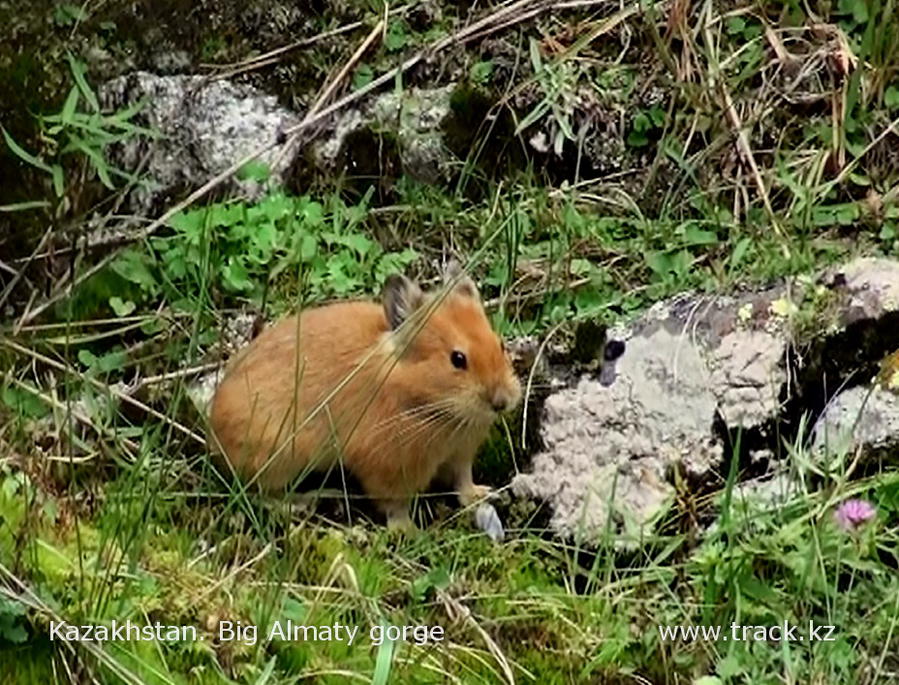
[411, 119]
[205, 126]
[698, 369]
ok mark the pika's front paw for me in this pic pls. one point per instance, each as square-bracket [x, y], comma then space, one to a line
[474, 493]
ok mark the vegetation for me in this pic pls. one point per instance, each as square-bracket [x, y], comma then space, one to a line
[711, 147]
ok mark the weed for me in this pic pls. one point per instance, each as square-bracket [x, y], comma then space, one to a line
[86, 133]
[241, 248]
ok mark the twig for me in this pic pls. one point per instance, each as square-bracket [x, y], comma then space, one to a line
[12, 284]
[78, 416]
[173, 375]
[125, 397]
[274, 56]
[739, 131]
[215, 586]
[459, 611]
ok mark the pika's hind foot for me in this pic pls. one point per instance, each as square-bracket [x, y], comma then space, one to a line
[403, 527]
[398, 518]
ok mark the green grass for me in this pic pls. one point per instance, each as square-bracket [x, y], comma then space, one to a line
[109, 508]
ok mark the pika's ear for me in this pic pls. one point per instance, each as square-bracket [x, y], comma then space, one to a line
[455, 277]
[401, 298]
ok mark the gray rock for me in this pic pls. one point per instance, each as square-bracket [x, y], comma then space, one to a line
[765, 494]
[871, 290]
[747, 375]
[486, 518]
[691, 359]
[205, 126]
[412, 117]
[864, 418]
[236, 334]
[612, 450]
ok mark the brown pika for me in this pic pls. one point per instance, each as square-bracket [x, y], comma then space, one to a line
[401, 392]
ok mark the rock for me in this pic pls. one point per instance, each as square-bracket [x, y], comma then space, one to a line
[864, 418]
[612, 449]
[694, 362]
[755, 500]
[205, 126]
[412, 118]
[871, 288]
[767, 493]
[236, 334]
[747, 374]
[486, 518]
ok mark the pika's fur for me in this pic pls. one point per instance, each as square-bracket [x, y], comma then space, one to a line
[401, 392]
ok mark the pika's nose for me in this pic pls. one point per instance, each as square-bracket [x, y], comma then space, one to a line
[499, 402]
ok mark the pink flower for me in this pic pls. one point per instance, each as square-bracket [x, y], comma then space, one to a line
[853, 513]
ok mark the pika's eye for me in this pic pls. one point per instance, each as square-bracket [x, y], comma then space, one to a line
[458, 359]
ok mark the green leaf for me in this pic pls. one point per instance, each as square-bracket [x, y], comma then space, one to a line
[133, 267]
[68, 109]
[397, 36]
[363, 75]
[312, 213]
[740, 250]
[255, 170]
[482, 72]
[78, 73]
[693, 235]
[708, 680]
[437, 578]
[842, 214]
[23, 155]
[87, 358]
[58, 180]
[589, 299]
[637, 139]
[383, 660]
[642, 122]
[96, 159]
[308, 247]
[67, 14]
[359, 243]
[24, 206]
[23, 402]
[891, 97]
[236, 275]
[534, 115]
[121, 308]
[11, 629]
[536, 59]
[735, 25]
[112, 361]
[659, 262]
[191, 223]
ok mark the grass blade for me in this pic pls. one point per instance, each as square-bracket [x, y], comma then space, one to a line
[384, 660]
[22, 154]
[78, 73]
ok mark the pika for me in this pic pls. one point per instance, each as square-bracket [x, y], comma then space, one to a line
[401, 392]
